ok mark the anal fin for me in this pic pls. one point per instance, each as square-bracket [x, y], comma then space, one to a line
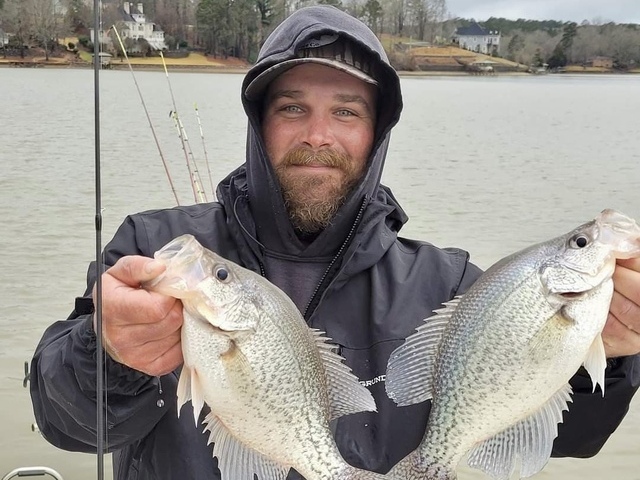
[531, 440]
[236, 461]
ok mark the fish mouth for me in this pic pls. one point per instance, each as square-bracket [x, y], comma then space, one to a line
[226, 332]
[572, 295]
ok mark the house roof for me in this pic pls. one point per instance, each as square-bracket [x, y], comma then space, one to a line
[125, 16]
[472, 30]
[128, 17]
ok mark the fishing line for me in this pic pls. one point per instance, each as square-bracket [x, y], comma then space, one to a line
[100, 374]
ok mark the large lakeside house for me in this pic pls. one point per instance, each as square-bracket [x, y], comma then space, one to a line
[135, 26]
[477, 39]
[4, 38]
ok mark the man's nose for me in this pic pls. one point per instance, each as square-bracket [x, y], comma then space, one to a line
[318, 132]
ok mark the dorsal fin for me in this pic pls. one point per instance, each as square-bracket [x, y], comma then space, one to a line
[411, 366]
[346, 394]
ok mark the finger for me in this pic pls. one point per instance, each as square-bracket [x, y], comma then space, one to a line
[168, 361]
[618, 339]
[130, 335]
[630, 263]
[157, 358]
[133, 270]
[625, 311]
[626, 282]
[124, 305]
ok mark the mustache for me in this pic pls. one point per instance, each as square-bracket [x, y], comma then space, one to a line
[305, 156]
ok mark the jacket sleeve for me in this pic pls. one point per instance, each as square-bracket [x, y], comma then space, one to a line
[63, 379]
[592, 418]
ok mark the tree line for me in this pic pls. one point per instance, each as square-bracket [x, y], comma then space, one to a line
[238, 27]
[568, 43]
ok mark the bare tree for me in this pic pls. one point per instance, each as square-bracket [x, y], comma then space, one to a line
[396, 12]
[536, 44]
[174, 17]
[372, 15]
[587, 44]
[41, 20]
[624, 46]
[427, 18]
[78, 14]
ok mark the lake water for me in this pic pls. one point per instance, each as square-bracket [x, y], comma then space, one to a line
[487, 164]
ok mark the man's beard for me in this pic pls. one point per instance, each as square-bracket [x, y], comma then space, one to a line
[313, 200]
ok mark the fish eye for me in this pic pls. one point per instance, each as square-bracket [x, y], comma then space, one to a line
[580, 241]
[221, 273]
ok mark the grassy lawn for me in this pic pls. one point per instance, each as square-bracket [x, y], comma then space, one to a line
[581, 69]
[194, 59]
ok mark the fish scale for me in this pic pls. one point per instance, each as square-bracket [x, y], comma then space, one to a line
[496, 362]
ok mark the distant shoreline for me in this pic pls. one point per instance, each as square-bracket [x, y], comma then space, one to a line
[20, 63]
[29, 64]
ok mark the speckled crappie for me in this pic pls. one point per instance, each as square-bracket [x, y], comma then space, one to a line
[272, 384]
[496, 362]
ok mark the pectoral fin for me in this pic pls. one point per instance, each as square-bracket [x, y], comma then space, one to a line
[346, 394]
[190, 388]
[596, 362]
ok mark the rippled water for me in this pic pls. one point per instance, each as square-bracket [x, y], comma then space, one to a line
[487, 164]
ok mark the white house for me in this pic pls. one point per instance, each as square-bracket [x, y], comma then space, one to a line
[136, 26]
[4, 38]
[477, 39]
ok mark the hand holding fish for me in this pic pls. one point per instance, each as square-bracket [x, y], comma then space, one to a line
[621, 334]
[140, 329]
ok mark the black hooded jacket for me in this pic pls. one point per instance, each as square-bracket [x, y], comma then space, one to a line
[377, 288]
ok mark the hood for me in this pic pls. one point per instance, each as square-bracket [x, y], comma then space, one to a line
[272, 226]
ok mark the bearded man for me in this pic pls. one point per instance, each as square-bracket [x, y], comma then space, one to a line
[307, 211]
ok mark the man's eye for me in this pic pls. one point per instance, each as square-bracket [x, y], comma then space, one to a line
[291, 108]
[345, 113]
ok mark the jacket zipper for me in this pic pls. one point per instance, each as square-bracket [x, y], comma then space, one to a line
[320, 288]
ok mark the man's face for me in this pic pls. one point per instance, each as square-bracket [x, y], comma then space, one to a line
[318, 129]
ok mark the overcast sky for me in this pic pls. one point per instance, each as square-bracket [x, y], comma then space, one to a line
[619, 11]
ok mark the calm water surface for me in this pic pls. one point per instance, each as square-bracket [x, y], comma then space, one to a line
[487, 164]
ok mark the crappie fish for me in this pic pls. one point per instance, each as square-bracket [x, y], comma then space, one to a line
[272, 383]
[496, 362]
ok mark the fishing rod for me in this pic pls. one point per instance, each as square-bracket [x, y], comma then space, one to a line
[194, 173]
[206, 157]
[100, 374]
[144, 106]
[99, 265]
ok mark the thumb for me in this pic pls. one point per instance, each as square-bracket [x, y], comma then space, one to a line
[134, 270]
